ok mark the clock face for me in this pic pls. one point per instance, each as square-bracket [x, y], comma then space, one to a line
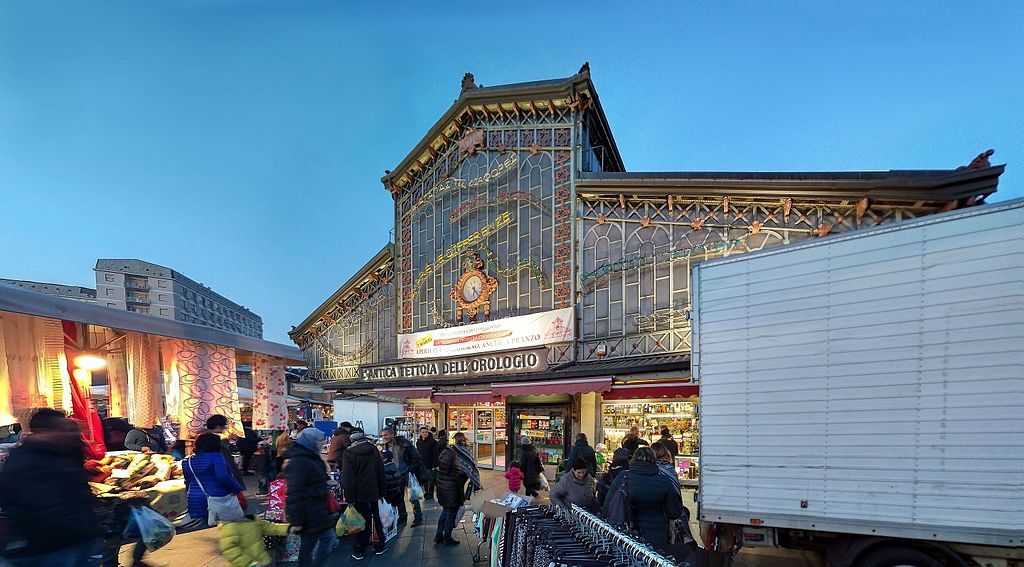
[472, 288]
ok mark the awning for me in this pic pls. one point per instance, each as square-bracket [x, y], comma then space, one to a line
[409, 392]
[463, 397]
[549, 387]
[673, 389]
[17, 300]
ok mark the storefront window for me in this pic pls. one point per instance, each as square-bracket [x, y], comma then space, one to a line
[650, 417]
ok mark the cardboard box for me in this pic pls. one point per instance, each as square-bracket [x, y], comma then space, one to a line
[495, 510]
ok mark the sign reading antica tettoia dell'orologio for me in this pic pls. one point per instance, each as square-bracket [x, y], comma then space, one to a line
[492, 364]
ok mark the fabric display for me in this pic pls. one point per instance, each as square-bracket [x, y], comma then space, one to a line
[276, 494]
[270, 403]
[145, 386]
[208, 385]
[541, 536]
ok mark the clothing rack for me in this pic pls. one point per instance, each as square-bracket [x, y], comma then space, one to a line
[600, 530]
[553, 536]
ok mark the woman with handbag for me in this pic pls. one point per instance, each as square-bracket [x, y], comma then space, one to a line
[455, 466]
[308, 500]
[211, 488]
[650, 499]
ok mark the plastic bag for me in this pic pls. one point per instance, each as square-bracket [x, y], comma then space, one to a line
[544, 483]
[388, 514]
[415, 489]
[154, 530]
[354, 521]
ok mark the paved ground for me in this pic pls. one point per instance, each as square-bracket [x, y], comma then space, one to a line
[415, 547]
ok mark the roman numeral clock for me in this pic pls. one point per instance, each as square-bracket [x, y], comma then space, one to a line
[473, 291]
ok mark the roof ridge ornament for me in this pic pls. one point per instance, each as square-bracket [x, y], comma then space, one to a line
[980, 162]
[584, 69]
[468, 83]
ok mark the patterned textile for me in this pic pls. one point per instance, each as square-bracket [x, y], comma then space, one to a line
[208, 386]
[117, 377]
[145, 388]
[24, 367]
[269, 393]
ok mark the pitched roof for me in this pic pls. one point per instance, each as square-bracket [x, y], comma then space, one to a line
[555, 92]
[905, 185]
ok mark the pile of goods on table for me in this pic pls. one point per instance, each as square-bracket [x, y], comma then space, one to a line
[131, 474]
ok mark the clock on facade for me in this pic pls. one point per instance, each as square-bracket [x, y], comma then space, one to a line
[473, 292]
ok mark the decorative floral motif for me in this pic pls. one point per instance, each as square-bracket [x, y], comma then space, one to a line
[562, 253]
[208, 385]
[269, 408]
[562, 291]
[562, 272]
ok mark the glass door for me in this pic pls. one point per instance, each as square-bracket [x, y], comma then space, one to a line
[500, 438]
[485, 438]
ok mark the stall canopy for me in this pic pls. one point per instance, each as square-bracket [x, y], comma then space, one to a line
[408, 393]
[665, 389]
[462, 397]
[550, 387]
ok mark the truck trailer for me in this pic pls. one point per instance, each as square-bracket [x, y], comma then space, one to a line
[863, 394]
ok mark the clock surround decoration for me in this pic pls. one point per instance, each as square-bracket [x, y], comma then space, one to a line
[472, 292]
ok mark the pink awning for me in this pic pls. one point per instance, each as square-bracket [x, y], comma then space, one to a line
[408, 393]
[549, 387]
[669, 389]
[463, 397]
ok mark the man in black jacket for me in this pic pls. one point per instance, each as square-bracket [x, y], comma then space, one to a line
[362, 473]
[45, 495]
[428, 450]
[408, 460]
[306, 502]
[669, 442]
[634, 441]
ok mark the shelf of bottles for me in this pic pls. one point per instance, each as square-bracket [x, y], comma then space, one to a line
[546, 431]
[680, 417]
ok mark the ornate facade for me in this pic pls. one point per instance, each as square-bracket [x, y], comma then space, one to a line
[525, 182]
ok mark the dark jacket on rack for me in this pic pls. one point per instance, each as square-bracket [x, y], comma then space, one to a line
[451, 481]
[362, 471]
[583, 450]
[429, 451]
[306, 499]
[532, 467]
[654, 500]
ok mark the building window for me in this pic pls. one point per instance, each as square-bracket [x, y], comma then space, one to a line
[109, 304]
[162, 297]
[164, 311]
[161, 283]
[110, 291]
[108, 277]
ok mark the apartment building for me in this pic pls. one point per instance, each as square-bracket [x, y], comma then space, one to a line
[142, 287]
[75, 292]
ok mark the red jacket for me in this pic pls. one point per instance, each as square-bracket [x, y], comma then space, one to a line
[515, 479]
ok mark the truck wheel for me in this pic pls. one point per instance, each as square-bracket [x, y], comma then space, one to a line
[898, 557]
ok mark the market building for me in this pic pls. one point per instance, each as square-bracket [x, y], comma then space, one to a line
[536, 288]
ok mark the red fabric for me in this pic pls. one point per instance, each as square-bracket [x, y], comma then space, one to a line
[457, 398]
[552, 387]
[652, 390]
[81, 404]
[333, 506]
[410, 393]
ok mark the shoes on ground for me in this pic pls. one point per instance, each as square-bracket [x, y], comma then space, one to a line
[358, 556]
[417, 522]
[450, 541]
[438, 539]
[382, 550]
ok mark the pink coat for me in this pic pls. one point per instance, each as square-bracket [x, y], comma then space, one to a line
[515, 479]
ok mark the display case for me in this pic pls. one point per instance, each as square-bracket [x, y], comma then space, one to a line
[421, 416]
[547, 427]
[680, 417]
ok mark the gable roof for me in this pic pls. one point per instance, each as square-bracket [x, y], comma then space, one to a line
[512, 98]
[906, 185]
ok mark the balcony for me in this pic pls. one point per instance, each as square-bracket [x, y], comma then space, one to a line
[136, 285]
[138, 299]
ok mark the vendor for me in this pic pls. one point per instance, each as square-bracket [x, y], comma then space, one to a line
[140, 440]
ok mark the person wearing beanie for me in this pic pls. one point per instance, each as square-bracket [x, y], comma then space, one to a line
[362, 473]
[306, 501]
[532, 467]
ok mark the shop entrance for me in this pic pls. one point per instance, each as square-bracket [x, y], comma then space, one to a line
[484, 425]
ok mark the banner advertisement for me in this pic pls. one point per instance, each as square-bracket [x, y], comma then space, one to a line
[548, 327]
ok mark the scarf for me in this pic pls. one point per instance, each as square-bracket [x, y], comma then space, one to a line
[468, 467]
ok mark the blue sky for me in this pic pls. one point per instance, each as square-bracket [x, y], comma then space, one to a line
[242, 142]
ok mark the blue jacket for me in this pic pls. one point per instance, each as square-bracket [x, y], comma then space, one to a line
[210, 470]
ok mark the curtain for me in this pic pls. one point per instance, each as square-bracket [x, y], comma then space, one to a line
[145, 385]
[269, 393]
[117, 378]
[30, 361]
[208, 385]
[6, 406]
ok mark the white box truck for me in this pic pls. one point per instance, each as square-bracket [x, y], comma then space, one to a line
[863, 394]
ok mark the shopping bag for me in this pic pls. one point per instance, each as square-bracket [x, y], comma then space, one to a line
[389, 533]
[619, 511]
[276, 496]
[333, 506]
[155, 531]
[224, 509]
[388, 514]
[544, 483]
[354, 521]
[415, 489]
